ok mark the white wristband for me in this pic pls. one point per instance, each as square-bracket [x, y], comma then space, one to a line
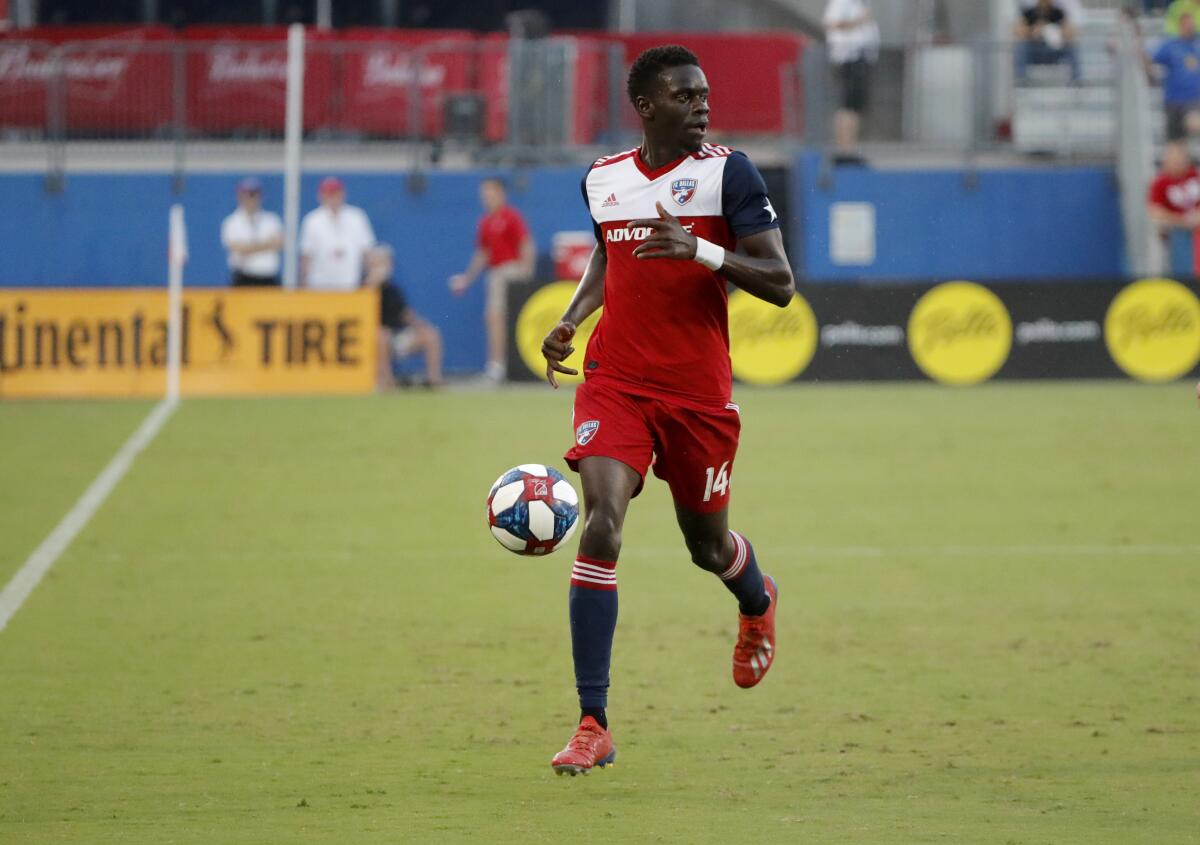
[709, 254]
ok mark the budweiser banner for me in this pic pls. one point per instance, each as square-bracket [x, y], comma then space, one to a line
[113, 79]
[381, 70]
[956, 333]
[237, 78]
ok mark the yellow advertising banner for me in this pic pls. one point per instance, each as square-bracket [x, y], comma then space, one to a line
[85, 342]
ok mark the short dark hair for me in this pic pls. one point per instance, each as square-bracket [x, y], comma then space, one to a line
[647, 68]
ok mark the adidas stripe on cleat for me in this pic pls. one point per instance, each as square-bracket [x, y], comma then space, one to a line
[755, 649]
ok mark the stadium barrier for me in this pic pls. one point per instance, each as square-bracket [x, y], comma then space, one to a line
[956, 333]
[222, 81]
[89, 343]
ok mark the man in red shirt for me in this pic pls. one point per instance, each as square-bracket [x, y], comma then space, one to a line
[1174, 196]
[658, 379]
[1173, 203]
[505, 248]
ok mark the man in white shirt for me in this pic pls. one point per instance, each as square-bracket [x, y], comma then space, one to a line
[852, 37]
[253, 238]
[334, 238]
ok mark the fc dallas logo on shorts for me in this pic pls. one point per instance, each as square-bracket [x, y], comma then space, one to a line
[682, 190]
[585, 432]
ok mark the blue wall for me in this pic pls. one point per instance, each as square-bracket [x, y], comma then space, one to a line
[111, 230]
[1043, 223]
[1061, 223]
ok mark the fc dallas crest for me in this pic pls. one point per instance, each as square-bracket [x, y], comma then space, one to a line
[586, 432]
[682, 190]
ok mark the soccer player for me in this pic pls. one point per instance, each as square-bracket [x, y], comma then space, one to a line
[675, 219]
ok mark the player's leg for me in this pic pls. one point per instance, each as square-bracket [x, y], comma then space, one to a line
[696, 460]
[608, 486]
[730, 556]
[613, 446]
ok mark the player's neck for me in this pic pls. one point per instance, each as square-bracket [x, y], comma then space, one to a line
[657, 153]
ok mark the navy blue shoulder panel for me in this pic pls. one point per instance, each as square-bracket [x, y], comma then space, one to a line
[744, 199]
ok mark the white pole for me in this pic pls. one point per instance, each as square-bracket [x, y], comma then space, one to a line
[176, 258]
[324, 14]
[291, 153]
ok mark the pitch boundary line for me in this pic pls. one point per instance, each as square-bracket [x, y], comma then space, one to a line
[44, 556]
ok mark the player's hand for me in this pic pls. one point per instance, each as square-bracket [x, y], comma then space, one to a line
[668, 240]
[557, 348]
[459, 284]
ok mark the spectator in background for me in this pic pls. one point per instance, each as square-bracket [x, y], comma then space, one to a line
[505, 248]
[334, 238]
[402, 332]
[1177, 10]
[1180, 60]
[1174, 196]
[1045, 33]
[253, 238]
[853, 39]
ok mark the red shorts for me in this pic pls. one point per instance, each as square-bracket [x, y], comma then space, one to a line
[691, 450]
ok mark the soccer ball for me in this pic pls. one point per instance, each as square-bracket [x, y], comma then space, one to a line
[532, 509]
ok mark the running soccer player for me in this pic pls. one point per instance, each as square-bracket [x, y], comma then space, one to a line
[657, 373]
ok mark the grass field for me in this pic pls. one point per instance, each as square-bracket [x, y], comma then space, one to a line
[289, 625]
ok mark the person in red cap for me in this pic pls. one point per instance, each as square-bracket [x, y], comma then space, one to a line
[334, 238]
[252, 237]
[505, 248]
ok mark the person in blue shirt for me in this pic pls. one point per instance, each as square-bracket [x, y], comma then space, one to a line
[1180, 59]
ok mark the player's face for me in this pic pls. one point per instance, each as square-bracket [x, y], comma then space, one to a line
[681, 107]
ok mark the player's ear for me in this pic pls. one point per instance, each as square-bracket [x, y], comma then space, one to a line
[644, 106]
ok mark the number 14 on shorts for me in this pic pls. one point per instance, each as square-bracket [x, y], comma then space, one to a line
[716, 481]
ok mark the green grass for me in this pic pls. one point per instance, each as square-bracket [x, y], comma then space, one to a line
[289, 625]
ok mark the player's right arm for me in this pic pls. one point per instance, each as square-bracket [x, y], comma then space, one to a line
[588, 297]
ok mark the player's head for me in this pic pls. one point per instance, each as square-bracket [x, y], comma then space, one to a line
[1176, 159]
[670, 93]
[332, 192]
[249, 194]
[492, 193]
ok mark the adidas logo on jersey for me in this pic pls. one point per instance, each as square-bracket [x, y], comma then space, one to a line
[610, 202]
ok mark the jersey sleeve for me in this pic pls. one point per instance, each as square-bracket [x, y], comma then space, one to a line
[744, 201]
[588, 205]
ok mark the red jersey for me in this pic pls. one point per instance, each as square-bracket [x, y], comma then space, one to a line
[501, 234]
[664, 332]
[1179, 194]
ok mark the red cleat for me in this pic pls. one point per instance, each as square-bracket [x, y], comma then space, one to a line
[592, 745]
[755, 649]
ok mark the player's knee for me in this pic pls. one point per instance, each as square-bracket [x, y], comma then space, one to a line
[601, 534]
[710, 553]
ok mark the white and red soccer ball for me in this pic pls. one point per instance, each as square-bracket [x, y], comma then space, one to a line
[532, 509]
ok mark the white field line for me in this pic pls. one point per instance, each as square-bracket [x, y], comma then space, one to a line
[43, 557]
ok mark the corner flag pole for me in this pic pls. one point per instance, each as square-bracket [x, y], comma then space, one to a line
[176, 258]
[293, 129]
